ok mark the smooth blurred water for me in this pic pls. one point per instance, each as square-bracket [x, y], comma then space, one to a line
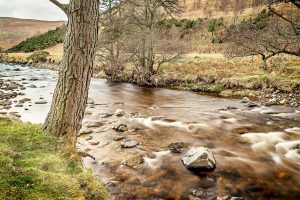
[261, 164]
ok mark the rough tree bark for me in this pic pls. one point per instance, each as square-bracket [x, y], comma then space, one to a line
[71, 93]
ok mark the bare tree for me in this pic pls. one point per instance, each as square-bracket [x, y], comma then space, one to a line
[111, 44]
[270, 34]
[144, 39]
[71, 93]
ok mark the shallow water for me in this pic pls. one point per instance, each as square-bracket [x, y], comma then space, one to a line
[261, 163]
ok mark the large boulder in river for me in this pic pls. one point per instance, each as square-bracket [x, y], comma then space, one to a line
[199, 158]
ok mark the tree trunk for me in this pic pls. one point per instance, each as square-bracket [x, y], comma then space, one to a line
[264, 60]
[71, 93]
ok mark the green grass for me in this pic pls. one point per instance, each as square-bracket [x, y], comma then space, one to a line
[200, 87]
[40, 42]
[33, 165]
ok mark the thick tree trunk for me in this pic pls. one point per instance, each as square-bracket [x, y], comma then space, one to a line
[71, 93]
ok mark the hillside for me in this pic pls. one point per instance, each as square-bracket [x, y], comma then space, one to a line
[14, 31]
[194, 9]
[41, 41]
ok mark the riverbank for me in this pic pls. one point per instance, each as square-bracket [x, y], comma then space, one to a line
[213, 75]
[34, 165]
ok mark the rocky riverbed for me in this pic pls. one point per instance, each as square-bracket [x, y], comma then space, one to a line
[139, 141]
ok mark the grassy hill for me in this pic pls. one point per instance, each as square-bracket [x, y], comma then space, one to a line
[41, 41]
[13, 30]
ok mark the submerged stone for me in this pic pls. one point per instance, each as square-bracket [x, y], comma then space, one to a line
[93, 124]
[94, 143]
[119, 138]
[177, 147]
[199, 158]
[129, 143]
[105, 115]
[251, 104]
[85, 131]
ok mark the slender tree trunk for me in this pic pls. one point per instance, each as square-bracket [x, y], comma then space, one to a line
[71, 93]
[265, 65]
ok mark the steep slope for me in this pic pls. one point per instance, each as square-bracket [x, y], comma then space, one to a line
[13, 30]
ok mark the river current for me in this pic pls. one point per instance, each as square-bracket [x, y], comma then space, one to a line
[256, 149]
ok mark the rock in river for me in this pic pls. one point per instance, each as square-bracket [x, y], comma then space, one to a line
[177, 147]
[12, 86]
[5, 103]
[245, 100]
[85, 131]
[24, 100]
[120, 127]
[105, 115]
[199, 158]
[90, 101]
[93, 124]
[41, 102]
[94, 143]
[120, 113]
[134, 161]
[129, 143]
[119, 138]
[34, 79]
[251, 105]
[32, 86]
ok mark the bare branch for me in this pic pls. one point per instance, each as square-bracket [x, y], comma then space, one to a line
[63, 7]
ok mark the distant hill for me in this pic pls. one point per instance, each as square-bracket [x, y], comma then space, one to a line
[14, 30]
[41, 41]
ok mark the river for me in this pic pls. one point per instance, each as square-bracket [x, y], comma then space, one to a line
[257, 149]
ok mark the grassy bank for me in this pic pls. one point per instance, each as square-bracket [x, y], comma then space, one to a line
[235, 77]
[33, 165]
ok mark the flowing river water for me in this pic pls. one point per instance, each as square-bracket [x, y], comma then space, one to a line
[257, 149]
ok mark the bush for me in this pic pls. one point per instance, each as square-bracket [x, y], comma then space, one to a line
[216, 40]
[260, 21]
[212, 26]
[39, 56]
[186, 26]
